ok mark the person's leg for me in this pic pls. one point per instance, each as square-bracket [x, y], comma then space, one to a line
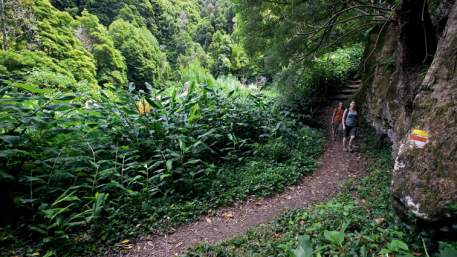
[350, 143]
[345, 136]
[334, 130]
[351, 140]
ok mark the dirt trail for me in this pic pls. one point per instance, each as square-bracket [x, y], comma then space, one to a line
[336, 166]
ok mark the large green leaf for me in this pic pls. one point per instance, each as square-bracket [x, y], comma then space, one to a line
[9, 139]
[31, 88]
[335, 237]
[305, 248]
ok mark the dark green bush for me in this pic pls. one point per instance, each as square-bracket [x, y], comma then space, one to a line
[276, 150]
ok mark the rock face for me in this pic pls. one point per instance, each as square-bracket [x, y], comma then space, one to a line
[410, 94]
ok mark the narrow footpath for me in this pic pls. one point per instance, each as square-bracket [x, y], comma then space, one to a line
[335, 168]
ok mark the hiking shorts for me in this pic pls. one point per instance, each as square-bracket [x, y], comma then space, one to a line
[350, 131]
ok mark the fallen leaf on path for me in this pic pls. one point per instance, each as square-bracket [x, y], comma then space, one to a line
[178, 244]
[208, 220]
[126, 241]
[227, 215]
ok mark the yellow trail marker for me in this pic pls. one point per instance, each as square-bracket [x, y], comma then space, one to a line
[421, 133]
[419, 137]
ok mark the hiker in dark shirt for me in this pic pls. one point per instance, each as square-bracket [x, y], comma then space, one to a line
[350, 123]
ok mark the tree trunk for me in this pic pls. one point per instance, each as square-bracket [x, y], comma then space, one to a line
[417, 35]
[4, 26]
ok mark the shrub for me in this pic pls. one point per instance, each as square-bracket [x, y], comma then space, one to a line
[276, 150]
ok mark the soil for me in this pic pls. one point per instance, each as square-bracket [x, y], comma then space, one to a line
[335, 168]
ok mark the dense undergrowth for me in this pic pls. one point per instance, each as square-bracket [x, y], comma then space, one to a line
[358, 222]
[82, 176]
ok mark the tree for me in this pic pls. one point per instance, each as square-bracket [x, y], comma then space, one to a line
[291, 30]
[145, 61]
[111, 68]
[4, 27]
[44, 50]
[220, 50]
[57, 39]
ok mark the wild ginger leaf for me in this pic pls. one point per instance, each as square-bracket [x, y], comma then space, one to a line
[335, 237]
[66, 196]
[66, 97]
[100, 199]
[169, 165]
[59, 107]
[9, 139]
[31, 88]
[13, 153]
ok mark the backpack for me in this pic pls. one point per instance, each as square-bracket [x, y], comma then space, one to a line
[346, 111]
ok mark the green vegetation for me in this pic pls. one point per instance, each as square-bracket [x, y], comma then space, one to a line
[358, 222]
[122, 118]
[305, 87]
[96, 174]
[71, 48]
[145, 61]
[111, 68]
[51, 55]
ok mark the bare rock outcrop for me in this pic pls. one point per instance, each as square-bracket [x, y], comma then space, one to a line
[410, 95]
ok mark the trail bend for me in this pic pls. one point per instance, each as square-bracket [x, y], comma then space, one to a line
[335, 168]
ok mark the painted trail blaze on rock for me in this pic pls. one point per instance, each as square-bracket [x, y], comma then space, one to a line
[419, 137]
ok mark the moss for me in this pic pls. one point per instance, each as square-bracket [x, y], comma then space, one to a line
[452, 206]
